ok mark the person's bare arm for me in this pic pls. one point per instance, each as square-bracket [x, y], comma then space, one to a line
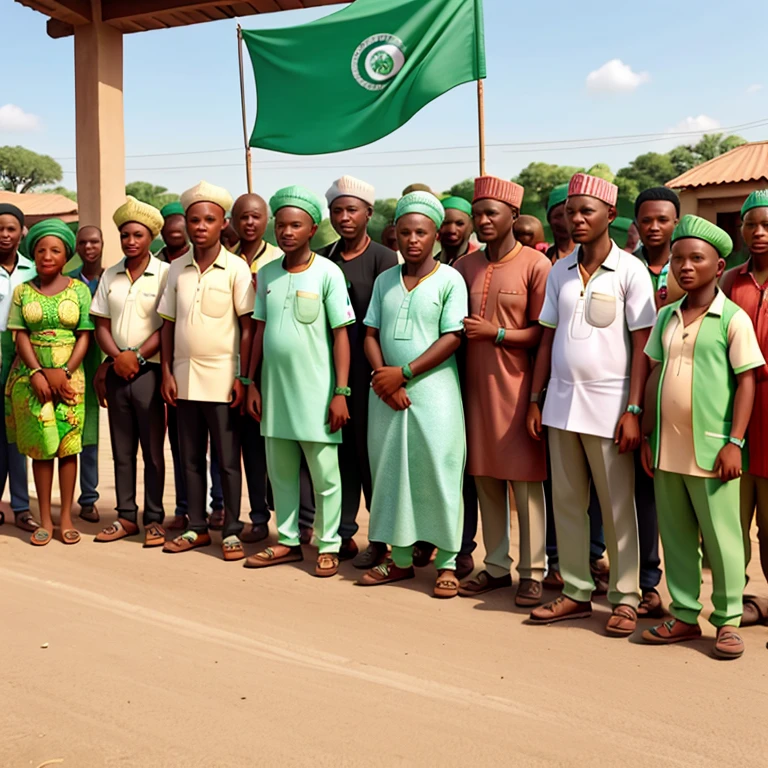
[168, 387]
[628, 432]
[729, 461]
[103, 334]
[373, 348]
[338, 413]
[238, 388]
[541, 370]
[253, 398]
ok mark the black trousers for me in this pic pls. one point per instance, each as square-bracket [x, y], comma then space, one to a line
[647, 528]
[196, 420]
[468, 543]
[353, 457]
[259, 491]
[137, 417]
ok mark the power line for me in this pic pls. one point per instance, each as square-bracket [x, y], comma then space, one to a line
[586, 141]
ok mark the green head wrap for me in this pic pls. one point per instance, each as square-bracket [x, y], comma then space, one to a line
[421, 202]
[558, 195]
[758, 199]
[55, 228]
[457, 204]
[172, 209]
[701, 229]
[298, 197]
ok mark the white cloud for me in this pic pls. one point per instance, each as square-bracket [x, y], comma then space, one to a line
[616, 76]
[754, 88]
[14, 119]
[695, 125]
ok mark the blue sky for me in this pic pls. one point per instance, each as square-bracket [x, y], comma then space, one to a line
[682, 65]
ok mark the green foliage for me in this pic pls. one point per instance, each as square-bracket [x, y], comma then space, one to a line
[22, 170]
[649, 170]
[64, 192]
[683, 158]
[602, 171]
[150, 193]
[540, 178]
[465, 189]
[713, 145]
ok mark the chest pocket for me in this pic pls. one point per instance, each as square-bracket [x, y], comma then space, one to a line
[306, 307]
[510, 308]
[145, 304]
[216, 301]
[601, 309]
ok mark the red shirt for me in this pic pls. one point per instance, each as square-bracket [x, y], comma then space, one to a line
[740, 286]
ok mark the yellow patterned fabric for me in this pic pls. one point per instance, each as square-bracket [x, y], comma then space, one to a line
[47, 430]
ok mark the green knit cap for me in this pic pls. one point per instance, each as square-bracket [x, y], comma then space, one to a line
[558, 195]
[701, 229]
[758, 199]
[421, 202]
[171, 209]
[457, 204]
[298, 197]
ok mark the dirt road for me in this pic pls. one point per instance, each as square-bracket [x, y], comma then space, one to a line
[157, 660]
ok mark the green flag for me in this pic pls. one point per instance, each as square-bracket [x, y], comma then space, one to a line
[359, 74]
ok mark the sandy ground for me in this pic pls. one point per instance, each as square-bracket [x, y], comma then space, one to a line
[153, 660]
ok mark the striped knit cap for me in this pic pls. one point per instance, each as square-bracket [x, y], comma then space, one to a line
[492, 188]
[592, 186]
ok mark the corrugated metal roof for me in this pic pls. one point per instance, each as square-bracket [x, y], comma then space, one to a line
[749, 162]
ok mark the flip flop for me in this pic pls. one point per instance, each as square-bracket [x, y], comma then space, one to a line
[266, 558]
[40, 537]
[70, 536]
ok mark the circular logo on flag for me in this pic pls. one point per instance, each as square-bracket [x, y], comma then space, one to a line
[377, 60]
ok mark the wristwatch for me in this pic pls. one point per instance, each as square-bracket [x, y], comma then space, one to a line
[636, 410]
[407, 372]
[142, 360]
[67, 372]
[736, 441]
[245, 381]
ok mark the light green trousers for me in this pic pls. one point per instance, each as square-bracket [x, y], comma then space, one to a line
[283, 468]
[692, 509]
[402, 557]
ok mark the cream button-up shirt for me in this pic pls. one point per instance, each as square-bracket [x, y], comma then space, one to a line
[131, 305]
[592, 349]
[205, 308]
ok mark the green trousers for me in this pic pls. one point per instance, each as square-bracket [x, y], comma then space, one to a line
[692, 510]
[402, 557]
[283, 468]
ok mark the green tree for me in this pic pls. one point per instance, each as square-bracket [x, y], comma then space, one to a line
[150, 193]
[649, 170]
[71, 194]
[602, 171]
[683, 158]
[465, 189]
[712, 145]
[22, 170]
[540, 178]
[628, 188]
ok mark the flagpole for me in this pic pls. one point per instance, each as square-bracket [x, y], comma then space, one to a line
[481, 123]
[248, 170]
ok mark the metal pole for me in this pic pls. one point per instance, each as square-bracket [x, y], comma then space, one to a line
[481, 124]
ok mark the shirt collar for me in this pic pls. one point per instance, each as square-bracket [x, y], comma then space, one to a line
[151, 268]
[220, 261]
[611, 260]
[715, 308]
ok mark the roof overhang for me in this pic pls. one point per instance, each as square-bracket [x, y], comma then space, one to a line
[142, 15]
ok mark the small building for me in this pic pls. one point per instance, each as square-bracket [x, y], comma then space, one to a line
[37, 206]
[716, 190]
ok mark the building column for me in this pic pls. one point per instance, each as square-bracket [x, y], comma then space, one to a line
[100, 139]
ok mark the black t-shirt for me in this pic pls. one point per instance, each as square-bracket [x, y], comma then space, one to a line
[361, 274]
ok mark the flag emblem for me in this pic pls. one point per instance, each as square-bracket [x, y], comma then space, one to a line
[377, 60]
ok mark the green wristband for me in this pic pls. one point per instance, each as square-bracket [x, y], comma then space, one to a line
[500, 335]
[736, 441]
[344, 391]
[245, 381]
[407, 372]
[635, 410]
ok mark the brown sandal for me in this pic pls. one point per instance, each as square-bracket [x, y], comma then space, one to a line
[622, 622]
[667, 633]
[178, 523]
[529, 593]
[728, 644]
[447, 585]
[267, 558]
[25, 522]
[232, 549]
[188, 541]
[89, 513]
[216, 520]
[40, 537]
[327, 564]
[385, 573]
[70, 536]
[562, 608]
[154, 535]
[120, 529]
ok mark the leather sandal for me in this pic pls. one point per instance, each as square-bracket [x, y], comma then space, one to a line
[385, 573]
[672, 631]
[650, 606]
[40, 537]
[562, 608]
[188, 541]
[755, 611]
[216, 520]
[232, 549]
[120, 529]
[622, 622]
[374, 554]
[70, 536]
[447, 585]
[483, 583]
[89, 513]
[327, 564]
[154, 535]
[529, 593]
[728, 644]
[267, 557]
[178, 523]
[25, 522]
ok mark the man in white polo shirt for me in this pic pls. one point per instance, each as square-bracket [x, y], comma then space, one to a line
[205, 350]
[597, 316]
[128, 332]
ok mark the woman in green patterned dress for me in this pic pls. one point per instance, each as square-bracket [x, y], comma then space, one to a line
[45, 393]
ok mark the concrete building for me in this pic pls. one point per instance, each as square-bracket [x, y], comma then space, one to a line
[716, 190]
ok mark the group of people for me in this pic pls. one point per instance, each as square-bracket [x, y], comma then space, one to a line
[613, 396]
